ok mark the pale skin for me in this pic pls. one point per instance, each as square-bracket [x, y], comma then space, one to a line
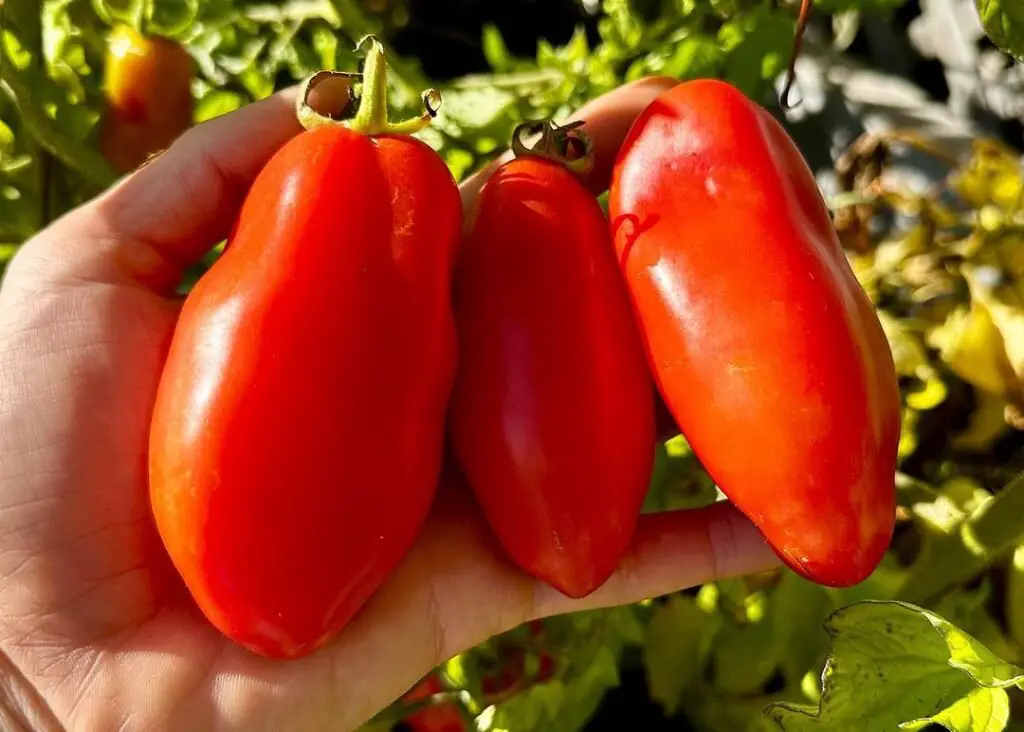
[96, 630]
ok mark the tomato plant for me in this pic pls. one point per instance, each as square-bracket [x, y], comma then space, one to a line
[276, 445]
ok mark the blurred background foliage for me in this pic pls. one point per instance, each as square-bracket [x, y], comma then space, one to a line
[943, 264]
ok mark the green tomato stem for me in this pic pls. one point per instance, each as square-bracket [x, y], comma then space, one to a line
[372, 116]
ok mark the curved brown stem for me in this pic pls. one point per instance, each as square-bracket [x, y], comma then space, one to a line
[798, 41]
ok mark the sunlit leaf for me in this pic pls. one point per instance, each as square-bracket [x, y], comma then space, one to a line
[893, 663]
[1004, 23]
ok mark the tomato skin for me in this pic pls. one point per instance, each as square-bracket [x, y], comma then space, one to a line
[299, 424]
[148, 88]
[437, 718]
[552, 414]
[764, 345]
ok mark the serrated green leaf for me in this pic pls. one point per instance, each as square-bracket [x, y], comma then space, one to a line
[1003, 21]
[893, 663]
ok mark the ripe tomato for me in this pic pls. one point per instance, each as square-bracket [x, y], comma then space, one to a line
[148, 87]
[552, 412]
[437, 718]
[766, 349]
[299, 423]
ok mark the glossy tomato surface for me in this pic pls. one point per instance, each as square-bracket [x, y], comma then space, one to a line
[148, 88]
[763, 344]
[553, 411]
[299, 424]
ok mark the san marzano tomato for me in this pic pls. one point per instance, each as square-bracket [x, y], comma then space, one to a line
[552, 415]
[764, 346]
[299, 425]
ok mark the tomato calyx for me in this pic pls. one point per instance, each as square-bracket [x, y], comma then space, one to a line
[371, 117]
[567, 145]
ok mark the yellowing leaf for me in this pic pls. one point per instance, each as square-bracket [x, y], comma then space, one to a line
[1007, 313]
[992, 175]
[930, 394]
[907, 352]
[987, 423]
[973, 346]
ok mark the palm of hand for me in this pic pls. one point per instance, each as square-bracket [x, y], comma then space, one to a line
[92, 615]
[91, 575]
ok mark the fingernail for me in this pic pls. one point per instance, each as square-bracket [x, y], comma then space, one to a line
[332, 96]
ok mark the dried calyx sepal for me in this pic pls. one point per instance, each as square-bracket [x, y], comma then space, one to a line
[568, 145]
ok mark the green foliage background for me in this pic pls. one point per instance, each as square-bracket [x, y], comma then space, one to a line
[932, 636]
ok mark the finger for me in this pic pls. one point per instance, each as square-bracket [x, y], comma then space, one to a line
[172, 210]
[673, 551]
[457, 589]
[608, 119]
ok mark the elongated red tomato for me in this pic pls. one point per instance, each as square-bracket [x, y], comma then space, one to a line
[299, 424]
[552, 411]
[766, 349]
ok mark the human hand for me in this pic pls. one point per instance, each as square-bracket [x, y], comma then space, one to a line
[93, 619]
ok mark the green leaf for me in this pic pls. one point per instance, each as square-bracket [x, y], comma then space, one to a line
[216, 103]
[971, 657]
[1003, 21]
[746, 653]
[893, 663]
[678, 480]
[6, 139]
[325, 43]
[962, 547]
[800, 608]
[982, 710]
[694, 57]
[758, 44]
[678, 637]
[494, 48]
